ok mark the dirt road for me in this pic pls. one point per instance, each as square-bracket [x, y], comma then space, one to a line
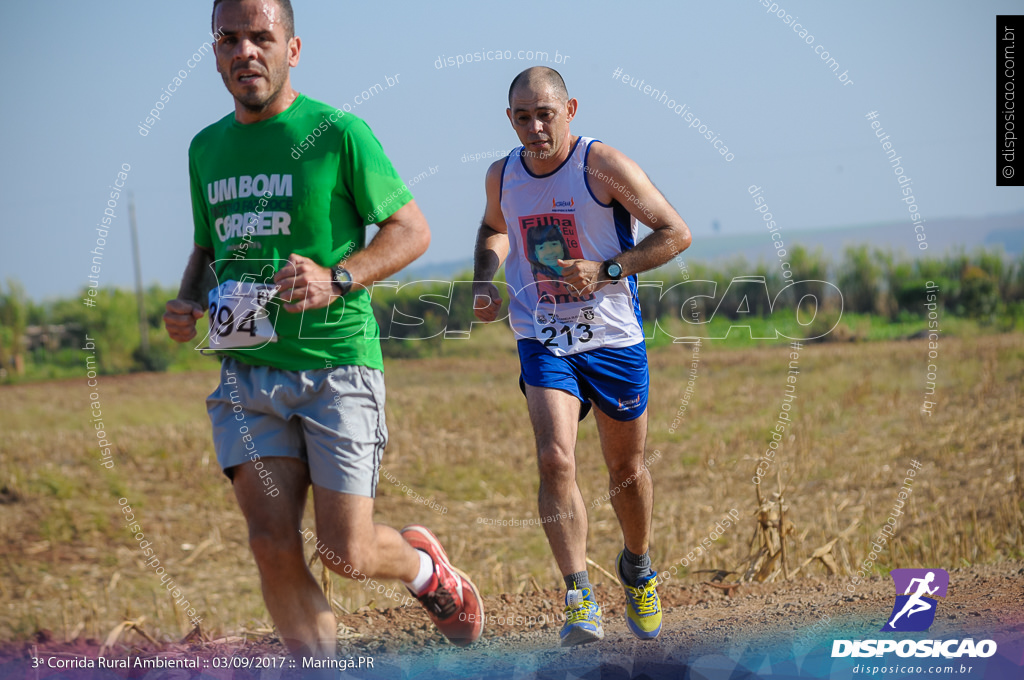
[775, 630]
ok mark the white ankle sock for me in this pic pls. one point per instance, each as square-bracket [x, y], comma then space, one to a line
[423, 577]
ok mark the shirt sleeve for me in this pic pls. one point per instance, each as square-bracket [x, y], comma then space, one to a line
[369, 176]
[200, 214]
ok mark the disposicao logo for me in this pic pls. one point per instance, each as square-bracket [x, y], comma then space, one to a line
[914, 611]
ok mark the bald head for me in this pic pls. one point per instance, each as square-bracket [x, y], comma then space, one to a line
[287, 17]
[539, 78]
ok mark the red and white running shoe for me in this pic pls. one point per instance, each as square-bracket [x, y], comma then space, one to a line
[451, 600]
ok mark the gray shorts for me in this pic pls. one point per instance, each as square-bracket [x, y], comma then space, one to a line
[330, 418]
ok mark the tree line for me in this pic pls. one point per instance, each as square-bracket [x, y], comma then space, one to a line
[41, 340]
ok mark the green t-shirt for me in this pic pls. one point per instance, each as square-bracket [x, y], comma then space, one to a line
[306, 181]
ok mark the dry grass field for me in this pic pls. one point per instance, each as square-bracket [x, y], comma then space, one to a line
[460, 436]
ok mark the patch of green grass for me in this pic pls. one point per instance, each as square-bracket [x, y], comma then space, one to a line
[54, 484]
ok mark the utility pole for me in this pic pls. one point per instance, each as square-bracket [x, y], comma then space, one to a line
[143, 324]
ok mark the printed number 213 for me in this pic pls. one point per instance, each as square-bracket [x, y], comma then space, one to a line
[583, 334]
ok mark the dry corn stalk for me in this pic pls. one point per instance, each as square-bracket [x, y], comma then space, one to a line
[767, 544]
[325, 577]
[824, 553]
[117, 631]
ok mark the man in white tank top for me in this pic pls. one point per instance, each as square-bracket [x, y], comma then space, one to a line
[562, 215]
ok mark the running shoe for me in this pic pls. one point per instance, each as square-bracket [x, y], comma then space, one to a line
[451, 600]
[582, 618]
[643, 608]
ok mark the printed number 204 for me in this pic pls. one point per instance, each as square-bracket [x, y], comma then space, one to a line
[224, 321]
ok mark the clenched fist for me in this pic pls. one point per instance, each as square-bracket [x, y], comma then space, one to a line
[486, 301]
[180, 319]
[304, 284]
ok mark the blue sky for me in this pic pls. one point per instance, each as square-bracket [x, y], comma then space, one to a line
[81, 78]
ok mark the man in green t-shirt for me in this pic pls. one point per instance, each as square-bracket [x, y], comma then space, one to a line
[282, 191]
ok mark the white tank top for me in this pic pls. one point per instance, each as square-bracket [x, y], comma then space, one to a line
[546, 223]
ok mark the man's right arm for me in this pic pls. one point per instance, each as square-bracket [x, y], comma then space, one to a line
[181, 314]
[491, 248]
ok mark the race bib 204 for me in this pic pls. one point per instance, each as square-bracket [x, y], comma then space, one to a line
[239, 315]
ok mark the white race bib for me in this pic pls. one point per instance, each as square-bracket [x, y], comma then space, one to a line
[239, 318]
[569, 329]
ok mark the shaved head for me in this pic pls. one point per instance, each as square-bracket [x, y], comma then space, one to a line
[540, 111]
[538, 78]
[287, 17]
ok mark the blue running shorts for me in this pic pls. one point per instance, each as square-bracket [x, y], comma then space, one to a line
[615, 378]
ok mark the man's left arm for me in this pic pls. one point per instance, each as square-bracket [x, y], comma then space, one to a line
[402, 238]
[613, 176]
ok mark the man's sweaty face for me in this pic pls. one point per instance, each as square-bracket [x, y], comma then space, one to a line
[252, 55]
[539, 120]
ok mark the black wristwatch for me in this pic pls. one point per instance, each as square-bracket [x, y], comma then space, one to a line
[341, 280]
[612, 269]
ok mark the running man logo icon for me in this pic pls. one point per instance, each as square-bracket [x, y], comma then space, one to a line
[915, 608]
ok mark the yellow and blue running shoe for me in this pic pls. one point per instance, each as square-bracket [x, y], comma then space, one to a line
[643, 608]
[582, 618]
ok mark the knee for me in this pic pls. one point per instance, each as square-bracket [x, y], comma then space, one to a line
[556, 463]
[274, 548]
[627, 472]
